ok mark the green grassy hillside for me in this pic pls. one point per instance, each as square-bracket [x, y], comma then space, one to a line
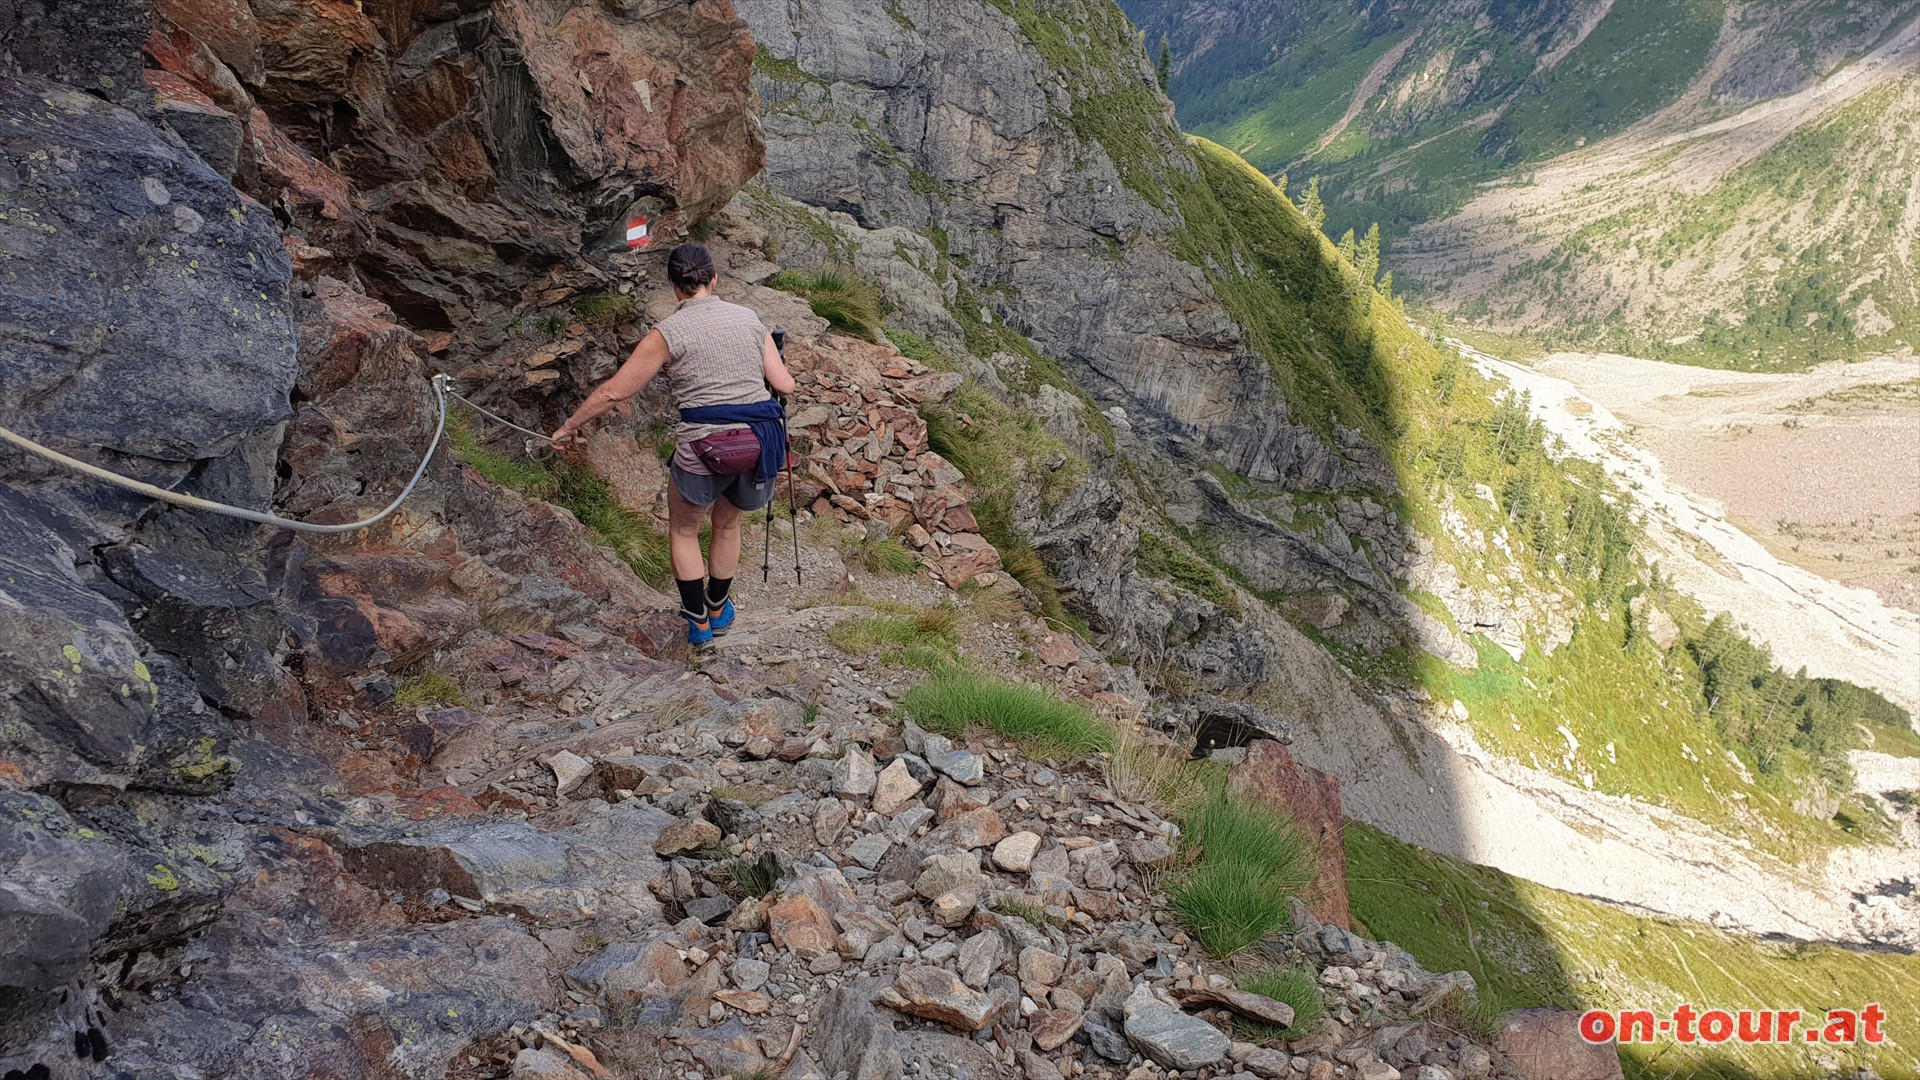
[1526, 944]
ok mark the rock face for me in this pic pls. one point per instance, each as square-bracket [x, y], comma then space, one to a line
[946, 157]
[225, 343]
[438, 150]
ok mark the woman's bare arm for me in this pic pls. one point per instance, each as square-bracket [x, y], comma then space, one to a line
[648, 358]
[778, 377]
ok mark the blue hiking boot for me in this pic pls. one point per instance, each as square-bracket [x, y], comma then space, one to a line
[698, 631]
[720, 619]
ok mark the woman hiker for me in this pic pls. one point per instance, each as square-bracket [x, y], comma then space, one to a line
[723, 370]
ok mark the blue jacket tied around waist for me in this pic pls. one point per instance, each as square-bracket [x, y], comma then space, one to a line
[769, 422]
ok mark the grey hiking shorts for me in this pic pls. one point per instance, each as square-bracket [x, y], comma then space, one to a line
[740, 490]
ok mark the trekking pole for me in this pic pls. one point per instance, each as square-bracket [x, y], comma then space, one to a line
[793, 517]
[793, 514]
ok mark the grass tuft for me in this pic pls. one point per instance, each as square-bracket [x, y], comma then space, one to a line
[849, 304]
[575, 486]
[1296, 987]
[603, 309]
[956, 697]
[756, 877]
[427, 688]
[1252, 863]
[933, 629]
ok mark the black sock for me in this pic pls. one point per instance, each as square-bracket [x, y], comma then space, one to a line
[717, 589]
[693, 599]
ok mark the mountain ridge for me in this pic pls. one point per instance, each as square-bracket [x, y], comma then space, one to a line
[1532, 183]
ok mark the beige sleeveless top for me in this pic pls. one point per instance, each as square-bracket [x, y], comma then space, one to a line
[715, 358]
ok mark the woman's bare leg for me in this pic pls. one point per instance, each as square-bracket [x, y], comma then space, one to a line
[683, 534]
[723, 553]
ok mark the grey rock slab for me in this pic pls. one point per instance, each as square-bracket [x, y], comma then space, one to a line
[1170, 1037]
[749, 974]
[128, 231]
[853, 1037]
[853, 774]
[942, 873]
[980, 956]
[961, 766]
[869, 850]
[1014, 854]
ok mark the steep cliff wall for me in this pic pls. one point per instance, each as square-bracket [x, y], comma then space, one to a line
[177, 690]
[1014, 183]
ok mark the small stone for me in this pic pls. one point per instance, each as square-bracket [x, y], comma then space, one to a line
[853, 773]
[869, 850]
[1270, 1063]
[797, 923]
[1170, 1037]
[686, 834]
[1035, 1067]
[1377, 1070]
[980, 956]
[750, 1002]
[829, 821]
[938, 994]
[894, 788]
[749, 974]
[956, 905]
[1041, 967]
[1053, 1027]
[1015, 853]
[1432, 1072]
[973, 829]
[709, 909]
[1107, 1042]
[1475, 1063]
[1149, 851]
[826, 964]
[962, 766]
[941, 873]
[569, 770]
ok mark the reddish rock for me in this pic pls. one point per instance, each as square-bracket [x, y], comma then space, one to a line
[797, 923]
[1057, 650]
[226, 27]
[283, 174]
[1312, 799]
[353, 330]
[1547, 1043]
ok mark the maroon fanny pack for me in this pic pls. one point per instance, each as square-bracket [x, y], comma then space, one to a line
[729, 453]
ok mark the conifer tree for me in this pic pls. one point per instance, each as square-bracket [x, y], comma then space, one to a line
[1349, 251]
[1164, 70]
[1311, 207]
[1368, 262]
[1280, 185]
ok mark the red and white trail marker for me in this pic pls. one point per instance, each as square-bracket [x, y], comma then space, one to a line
[637, 233]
